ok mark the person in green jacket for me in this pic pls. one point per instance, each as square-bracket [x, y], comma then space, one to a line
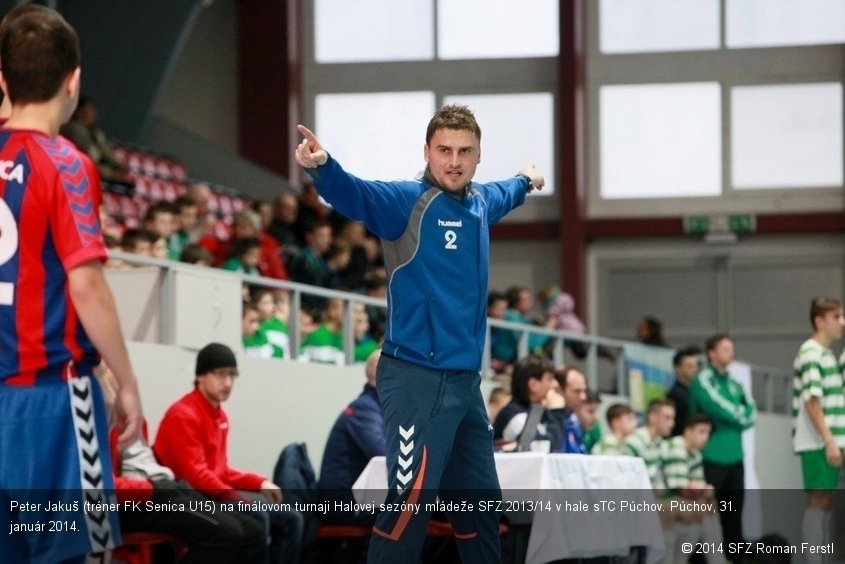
[732, 411]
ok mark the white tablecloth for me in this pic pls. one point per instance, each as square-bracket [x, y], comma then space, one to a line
[561, 478]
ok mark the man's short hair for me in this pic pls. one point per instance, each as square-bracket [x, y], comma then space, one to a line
[616, 411]
[714, 341]
[38, 51]
[184, 201]
[657, 404]
[683, 353]
[162, 206]
[452, 117]
[495, 296]
[697, 419]
[524, 369]
[820, 306]
[562, 375]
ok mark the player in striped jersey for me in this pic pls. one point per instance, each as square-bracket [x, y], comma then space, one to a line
[56, 311]
[622, 422]
[818, 411]
[683, 470]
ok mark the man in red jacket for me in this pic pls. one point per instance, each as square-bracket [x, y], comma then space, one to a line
[192, 441]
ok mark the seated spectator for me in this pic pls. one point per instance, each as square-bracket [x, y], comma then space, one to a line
[354, 275]
[311, 210]
[559, 312]
[195, 254]
[201, 194]
[365, 344]
[499, 398]
[285, 213]
[186, 223]
[683, 469]
[588, 419]
[533, 383]
[325, 343]
[211, 535]
[375, 286]
[622, 421]
[573, 387]
[244, 257]
[83, 131]
[264, 210]
[520, 306]
[247, 225]
[501, 342]
[309, 266]
[138, 242]
[253, 338]
[649, 331]
[337, 259]
[647, 441]
[356, 437]
[273, 311]
[161, 219]
[158, 247]
[192, 441]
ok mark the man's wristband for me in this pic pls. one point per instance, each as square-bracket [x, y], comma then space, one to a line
[527, 179]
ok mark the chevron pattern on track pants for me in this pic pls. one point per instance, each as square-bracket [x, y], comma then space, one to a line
[406, 458]
[90, 467]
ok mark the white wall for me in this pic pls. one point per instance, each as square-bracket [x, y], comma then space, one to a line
[274, 402]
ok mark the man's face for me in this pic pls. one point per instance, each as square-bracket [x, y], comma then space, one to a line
[663, 420]
[452, 156]
[722, 355]
[216, 385]
[575, 392]
[188, 216]
[687, 369]
[287, 208]
[697, 436]
[538, 388]
[320, 239]
[831, 324]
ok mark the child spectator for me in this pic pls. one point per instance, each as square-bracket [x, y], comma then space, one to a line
[158, 247]
[337, 259]
[622, 422]
[500, 341]
[499, 398]
[244, 257]
[560, 311]
[195, 254]
[254, 340]
[365, 344]
[161, 219]
[273, 311]
[137, 242]
[683, 469]
[588, 417]
[186, 224]
[325, 343]
[647, 441]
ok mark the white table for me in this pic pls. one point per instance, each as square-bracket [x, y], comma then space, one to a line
[561, 478]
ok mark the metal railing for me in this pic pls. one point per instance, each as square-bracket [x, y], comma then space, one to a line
[603, 356]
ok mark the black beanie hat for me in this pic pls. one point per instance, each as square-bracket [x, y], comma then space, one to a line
[214, 356]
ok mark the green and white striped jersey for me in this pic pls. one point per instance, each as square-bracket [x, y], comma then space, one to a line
[680, 466]
[817, 374]
[639, 443]
[609, 444]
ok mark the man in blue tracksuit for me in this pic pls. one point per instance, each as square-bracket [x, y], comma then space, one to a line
[435, 236]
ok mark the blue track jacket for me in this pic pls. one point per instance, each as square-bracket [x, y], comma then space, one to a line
[436, 253]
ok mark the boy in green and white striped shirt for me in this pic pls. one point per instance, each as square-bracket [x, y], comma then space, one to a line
[622, 422]
[683, 470]
[818, 412]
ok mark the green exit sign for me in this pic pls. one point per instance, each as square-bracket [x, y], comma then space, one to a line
[734, 223]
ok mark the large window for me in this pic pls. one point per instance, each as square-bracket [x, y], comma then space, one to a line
[374, 73]
[714, 106]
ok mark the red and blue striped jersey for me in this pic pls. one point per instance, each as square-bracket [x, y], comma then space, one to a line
[48, 226]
